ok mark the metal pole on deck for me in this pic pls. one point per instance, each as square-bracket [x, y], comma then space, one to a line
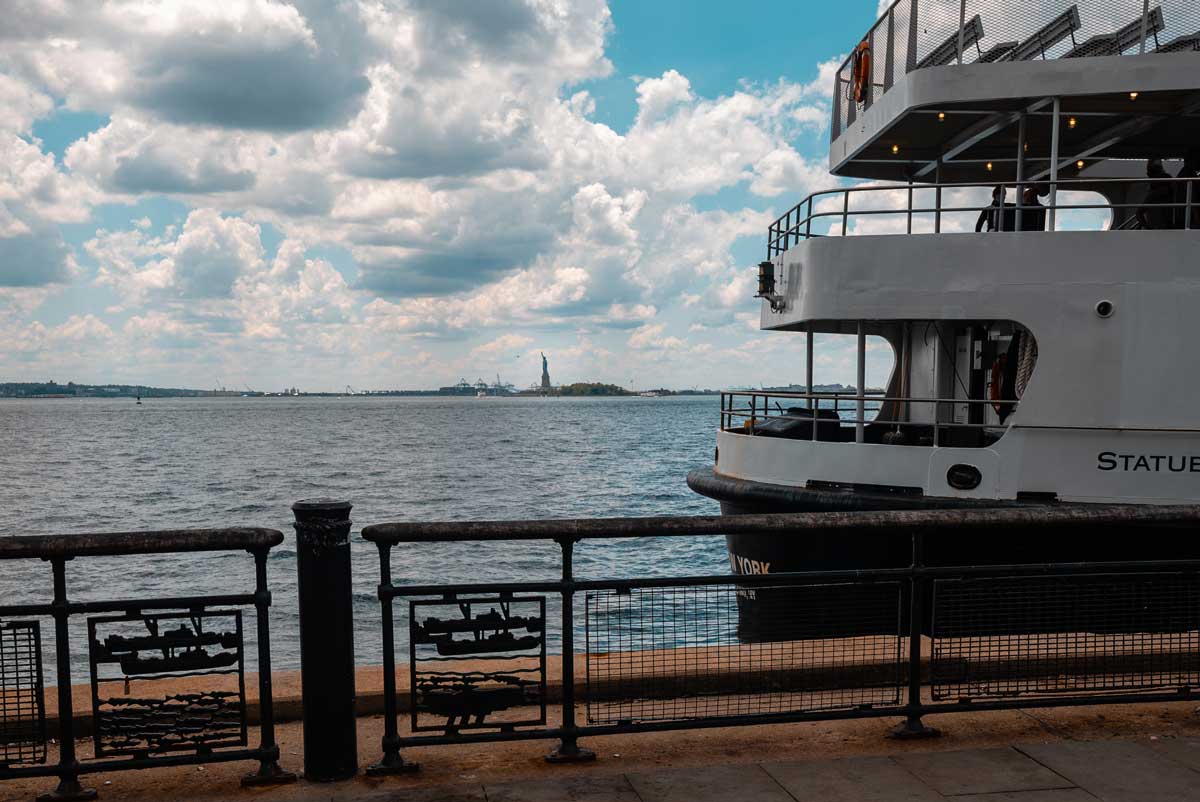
[808, 365]
[860, 425]
[1021, 123]
[326, 639]
[1054, 165]
[937, 197]
[910, 203]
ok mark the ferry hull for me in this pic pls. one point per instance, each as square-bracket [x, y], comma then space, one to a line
[772, 614]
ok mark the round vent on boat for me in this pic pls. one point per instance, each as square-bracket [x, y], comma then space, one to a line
[963, 477]
[1104, 308]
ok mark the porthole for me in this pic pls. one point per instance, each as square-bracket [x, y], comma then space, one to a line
[1104, 308]
[963, 477]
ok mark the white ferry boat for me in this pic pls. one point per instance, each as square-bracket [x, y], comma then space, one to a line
[1026, 249]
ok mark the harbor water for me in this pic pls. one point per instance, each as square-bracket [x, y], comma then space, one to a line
[100, 465]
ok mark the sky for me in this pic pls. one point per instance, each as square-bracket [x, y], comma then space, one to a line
[403, 193]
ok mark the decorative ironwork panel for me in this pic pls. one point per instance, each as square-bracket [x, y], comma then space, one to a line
[477, 663]
[22, 703]
[660, 654]
[183, 677]
[1005, 637]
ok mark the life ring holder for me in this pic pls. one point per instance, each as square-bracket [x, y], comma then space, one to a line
[860, 80]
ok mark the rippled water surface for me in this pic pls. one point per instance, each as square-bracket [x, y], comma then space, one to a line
[92, 465]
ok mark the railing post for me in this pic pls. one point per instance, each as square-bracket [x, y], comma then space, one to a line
[326, 639]
[391, 762]
[910, 63]
[1145, 25]
[269, 771]
[69, 789]
[937, 200]
[1054, 139]
[1021, 134]
[837, 106]
[889, 67]
[845, 210]
[912, 726]
[1187, 206]
[808, 220]
[962, 28]
[910, 204]
[568, 750]
[861, 405]
[808, 370]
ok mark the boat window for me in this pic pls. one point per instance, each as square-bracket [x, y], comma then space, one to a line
[948, 383]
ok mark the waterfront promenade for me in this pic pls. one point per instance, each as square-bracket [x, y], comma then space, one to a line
[1127, 753]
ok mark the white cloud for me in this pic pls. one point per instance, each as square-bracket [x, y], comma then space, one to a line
[22, 104]
[651, 336]
[440, 156]
[504, 345]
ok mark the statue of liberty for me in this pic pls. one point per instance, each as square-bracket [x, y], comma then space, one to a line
[545, 373]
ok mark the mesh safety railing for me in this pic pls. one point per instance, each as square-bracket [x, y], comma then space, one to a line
[915, 34]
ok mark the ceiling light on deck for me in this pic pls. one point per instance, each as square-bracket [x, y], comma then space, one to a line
[989, 167]
[895, 149]
[941, 116]
[1079, 164]
[1071, 122]
[1026, 147]
[1133, 95]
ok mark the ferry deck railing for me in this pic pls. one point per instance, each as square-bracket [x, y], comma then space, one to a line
[677, 652]
[917, 34]
[742, 410]
[136, 642]
[942, 208]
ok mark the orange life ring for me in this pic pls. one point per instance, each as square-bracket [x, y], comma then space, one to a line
[995, 392]
[861, 71]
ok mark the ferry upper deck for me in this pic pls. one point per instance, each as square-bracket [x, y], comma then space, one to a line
[938, 86]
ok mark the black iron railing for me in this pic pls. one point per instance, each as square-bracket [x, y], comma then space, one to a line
[719, 650]
[137, 651]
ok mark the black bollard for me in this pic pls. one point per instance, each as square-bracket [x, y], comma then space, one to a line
[326, 639]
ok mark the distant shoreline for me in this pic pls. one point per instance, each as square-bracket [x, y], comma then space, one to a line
[49, 391]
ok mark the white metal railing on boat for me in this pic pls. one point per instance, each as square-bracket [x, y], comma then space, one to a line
[915, 34]
[744, 411]
[911, 208]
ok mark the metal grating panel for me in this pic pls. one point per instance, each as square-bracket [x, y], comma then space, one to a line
[477, 663]
[183, 677]
[1004, 637]
[22, 704]
[658, 654]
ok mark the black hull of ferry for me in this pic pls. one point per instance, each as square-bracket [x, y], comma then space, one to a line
[787, 614]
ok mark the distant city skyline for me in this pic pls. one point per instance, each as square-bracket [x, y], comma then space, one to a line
[273, 193]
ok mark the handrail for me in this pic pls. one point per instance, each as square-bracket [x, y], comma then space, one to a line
[796, 224]
[901, 522]
[112, 544]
